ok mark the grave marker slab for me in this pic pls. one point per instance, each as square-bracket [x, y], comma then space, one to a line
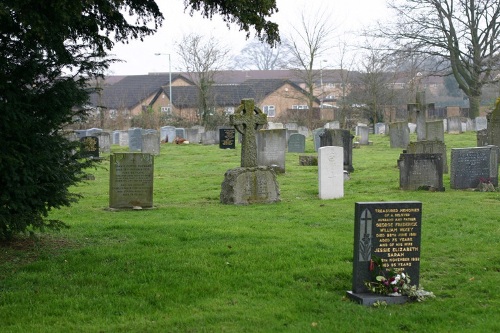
[340, 138]
[493, 125]
[429, 147]
[271, 149]
[434, 130]
[363, 132]
[454, 125]
[392, 232]
[227, 138]
[469, 166]
[135, 139]
[131, 180]
[89, 147]
[421, 171]
[399, 134]
[151, 143]
[331, 172]
[296, 143]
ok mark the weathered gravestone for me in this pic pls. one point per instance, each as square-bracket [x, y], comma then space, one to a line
[420, 109]
[89, 147]
[399, 134]
[429, 147]
[104, 141]
[482, 137]
[227, 138]
[131, 180]
[340, 138]
[116, 137]
[167, 134]
[135, 139]
[331, 172]
[363, 133]
[123, 138]
[454, 125]
[480, 123]
[271, 149]
[209, 137]
[421, 172]
[192, 135]
[470, 166]
[296, 143]
[180, 133]
[316, 137]
[390, 231]
[493, 125]
[250, 183]
[434, 130]
[151, 143]
[379, 128]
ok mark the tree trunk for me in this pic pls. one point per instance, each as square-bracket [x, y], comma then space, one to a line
[474, 103]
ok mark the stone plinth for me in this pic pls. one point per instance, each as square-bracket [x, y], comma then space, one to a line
[249, 185]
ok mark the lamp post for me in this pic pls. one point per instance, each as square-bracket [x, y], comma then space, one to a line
[321, 80]
[169, 80]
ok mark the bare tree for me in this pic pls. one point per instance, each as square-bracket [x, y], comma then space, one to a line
[261, 56]
[202, 58]
[308, 42]
[345, 65]
[464, 34]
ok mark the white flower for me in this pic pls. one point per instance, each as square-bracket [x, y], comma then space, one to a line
[403, 276]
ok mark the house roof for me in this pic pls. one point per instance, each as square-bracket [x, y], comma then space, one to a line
[229, 95]
[129, 91]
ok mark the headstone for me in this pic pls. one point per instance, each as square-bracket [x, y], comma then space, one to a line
[272, 125]
[209, 137]
[167, 134]
[290, 132]
[227, 138]
[464, 127]
[81, 133]
[93, 131]
[421, 172]
[296, 143]
[333, 125]
[151, 143]
[470, 166]
[123, 138]
[292, 126]
[180, 133]
[429, 147]
[331, 172]
[392, 232]
[116, 137]
[250, 183]
[493, 126]
[89, 147]
[340, 138]
[454, 125]
[434, 130]
[379, 128]
[399, 134]
[135, 139]
[304, 131]
[469, 125]
[363, 132]
[482, 137]
[104, 142]
[131, 180]
[271, 149]
[480, 123]
[192, 135]
[316, 137]
[359, 125]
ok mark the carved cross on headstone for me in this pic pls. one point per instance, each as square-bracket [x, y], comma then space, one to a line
[420, 109]
[247, 119]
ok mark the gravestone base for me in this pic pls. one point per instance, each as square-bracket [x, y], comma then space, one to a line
[245, 186]
[369, 299]
[307, 160]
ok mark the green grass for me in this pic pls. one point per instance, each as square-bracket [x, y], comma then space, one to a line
[192, 264]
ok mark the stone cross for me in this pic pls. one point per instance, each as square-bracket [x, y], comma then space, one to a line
[247, 119]
[420, 108]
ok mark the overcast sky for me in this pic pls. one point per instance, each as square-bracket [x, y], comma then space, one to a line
[139, 57]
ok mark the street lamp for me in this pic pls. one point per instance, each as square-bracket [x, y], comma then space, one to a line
[169, 80]
[321, 81]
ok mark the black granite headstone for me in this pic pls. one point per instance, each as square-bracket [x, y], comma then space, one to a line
[227, 138]
[339, 138]
[392, 232]
[470, 166]
[89, 147]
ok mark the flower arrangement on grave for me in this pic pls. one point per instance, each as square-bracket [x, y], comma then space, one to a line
[485, 185]
[393, 282]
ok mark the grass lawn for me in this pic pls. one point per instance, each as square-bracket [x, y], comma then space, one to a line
[192, 264]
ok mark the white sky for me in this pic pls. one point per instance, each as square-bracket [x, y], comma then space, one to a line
[139, 57]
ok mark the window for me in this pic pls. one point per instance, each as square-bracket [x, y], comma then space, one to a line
[112, 113]
[229, 110]
[300, 107]
[166, 109]
[270, 110]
